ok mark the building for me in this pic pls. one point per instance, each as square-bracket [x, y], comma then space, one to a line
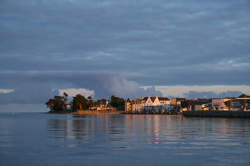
[148, 104]
[219, 104]
[202, 104]
[177, 101]
[128, 105]
[241, 103]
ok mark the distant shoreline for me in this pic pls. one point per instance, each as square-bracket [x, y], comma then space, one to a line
[201, 114]
[85, 112]
[96, 112]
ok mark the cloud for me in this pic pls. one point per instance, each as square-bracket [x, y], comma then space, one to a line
[121, 86]
[63, 44]
[5, 91]
[73, 92]
[202, 90]
[211, 94]
[173, 38]
[37, 87]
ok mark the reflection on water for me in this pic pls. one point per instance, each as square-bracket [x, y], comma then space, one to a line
[88, 128]
[149, 129]
[5, 135]
[116, 139]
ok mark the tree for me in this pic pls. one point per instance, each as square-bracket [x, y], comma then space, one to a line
[80, 103]
[65, 95]
[56, 104]
[102, 101]
[118, 103]
[50, 104]
[90, 101]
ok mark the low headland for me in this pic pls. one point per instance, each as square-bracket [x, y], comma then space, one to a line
[235, 107]
[81, 105]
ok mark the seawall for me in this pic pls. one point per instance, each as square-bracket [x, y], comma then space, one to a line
[97, 112]
[158, 113]
[224, 114]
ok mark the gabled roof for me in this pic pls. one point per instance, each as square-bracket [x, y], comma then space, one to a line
[154, 97]
[149, 99]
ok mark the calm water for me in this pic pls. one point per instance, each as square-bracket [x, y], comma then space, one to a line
[113, 139]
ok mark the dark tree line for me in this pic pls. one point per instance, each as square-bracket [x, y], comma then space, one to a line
[118, 103]
[58, 103]
[79, 102]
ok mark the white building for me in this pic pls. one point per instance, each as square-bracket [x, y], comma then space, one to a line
[219, 104]
[148, 104]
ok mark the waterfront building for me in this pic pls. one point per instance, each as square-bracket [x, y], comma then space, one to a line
[128, 105]
[176, 101]
[202, 104]
[219, 104]
[241, 103]
[148, 104]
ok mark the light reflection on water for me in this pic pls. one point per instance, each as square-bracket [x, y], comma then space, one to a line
[135, 139]
[119, 131]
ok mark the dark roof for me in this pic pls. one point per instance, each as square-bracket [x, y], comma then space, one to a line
[179, 98]
[243, 96]
[163, 98]
[154, 97]
[202, 101]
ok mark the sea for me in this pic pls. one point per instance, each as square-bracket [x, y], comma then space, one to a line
[31, 137]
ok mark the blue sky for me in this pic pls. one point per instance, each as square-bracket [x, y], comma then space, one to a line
[119, 47]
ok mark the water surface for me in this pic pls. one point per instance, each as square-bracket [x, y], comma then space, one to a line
[114, 139]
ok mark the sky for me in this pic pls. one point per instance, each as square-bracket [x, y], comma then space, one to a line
[194, 48]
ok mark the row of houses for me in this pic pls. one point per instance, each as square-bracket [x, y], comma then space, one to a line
[241, 103]
[153, 104]
[102, 106]
[163, 104]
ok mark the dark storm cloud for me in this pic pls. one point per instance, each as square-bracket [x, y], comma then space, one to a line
[37, 87]
[164, 42]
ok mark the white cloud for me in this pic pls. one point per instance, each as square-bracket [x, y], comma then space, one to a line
[5, 91]
[181, 90]
[73, 92]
